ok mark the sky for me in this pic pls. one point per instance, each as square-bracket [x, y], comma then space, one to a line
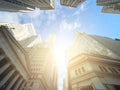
[65, 22]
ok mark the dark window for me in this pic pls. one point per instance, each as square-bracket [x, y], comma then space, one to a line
[3, 62]
[79, 71]
[117, 87]
[119, 69]
[104, 68]
[31, 84]
[111, 70]
[101, 68]
[6, 72]
[16, 82]
[114, 70]
[20, 84]
[76, 72]
[83, 69]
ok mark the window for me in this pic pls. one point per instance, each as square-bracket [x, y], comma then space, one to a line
[79, 71]
[102, 68]
[119, 69]
[76, 72]
[83, 70]
[111, 70]
[114, 70]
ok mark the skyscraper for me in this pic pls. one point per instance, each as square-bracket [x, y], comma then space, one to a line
[25, 5]
[42, 4]
[14, 72]
[71, 3]
[93, 63]
[110, 6]
[26, 62]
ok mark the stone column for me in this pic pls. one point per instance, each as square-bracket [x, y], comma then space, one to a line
[98, 84]
[1, 57]
[6, 77]
[3, 68]
[22, 86]
[16, 87]
[16, 82]
[12, 82]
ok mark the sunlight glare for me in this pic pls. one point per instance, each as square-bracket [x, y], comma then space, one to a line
[60, 48]
[61, 45]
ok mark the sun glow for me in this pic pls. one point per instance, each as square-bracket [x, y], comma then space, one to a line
[59, 50]
[61, 44]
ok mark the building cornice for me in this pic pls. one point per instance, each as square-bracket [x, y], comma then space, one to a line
[9, 37]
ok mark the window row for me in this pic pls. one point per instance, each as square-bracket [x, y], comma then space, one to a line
[79, 70]
[109, 69]
[36, 69]
[36, 65]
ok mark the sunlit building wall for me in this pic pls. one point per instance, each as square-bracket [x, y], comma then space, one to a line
[14, 72]
[25, 5]
[39, 59]
[14, 6]
[42, 4]
[93, 63]
[42, 67]
[110, 6]
[71, 3]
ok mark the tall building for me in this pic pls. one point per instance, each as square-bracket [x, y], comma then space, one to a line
[93, 63]
[43, 68]
[110, 6]
[42, 4]
[14, 72]
[25, 5]
[71, 3]
[26, 57]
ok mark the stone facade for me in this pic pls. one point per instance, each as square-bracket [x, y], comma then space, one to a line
[110, 6]
[88, 69]
[25, 5]
[26, 63]
[71, 3]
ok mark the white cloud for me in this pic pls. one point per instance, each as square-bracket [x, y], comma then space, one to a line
[69, 26]
[9, 17]
[81, 8]
[51, 15]
[37, 12]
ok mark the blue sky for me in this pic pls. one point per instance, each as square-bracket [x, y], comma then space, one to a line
[65, 21]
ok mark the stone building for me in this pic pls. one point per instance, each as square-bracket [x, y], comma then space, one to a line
[26, 62]
[25, 5]
[110, 6]
[93, 63]
[14, 72]
[71, 3]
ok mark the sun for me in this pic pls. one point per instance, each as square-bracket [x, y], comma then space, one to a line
[59, 51]
[60, 47]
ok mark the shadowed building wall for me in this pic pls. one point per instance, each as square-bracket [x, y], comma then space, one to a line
[25, 5]
[110, 6]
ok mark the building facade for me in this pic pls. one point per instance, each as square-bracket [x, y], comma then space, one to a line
[93, 63]
[43, 68]
[25, 5]
[71, 3]
[110, 6]
[26, 62]
[14, 72]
